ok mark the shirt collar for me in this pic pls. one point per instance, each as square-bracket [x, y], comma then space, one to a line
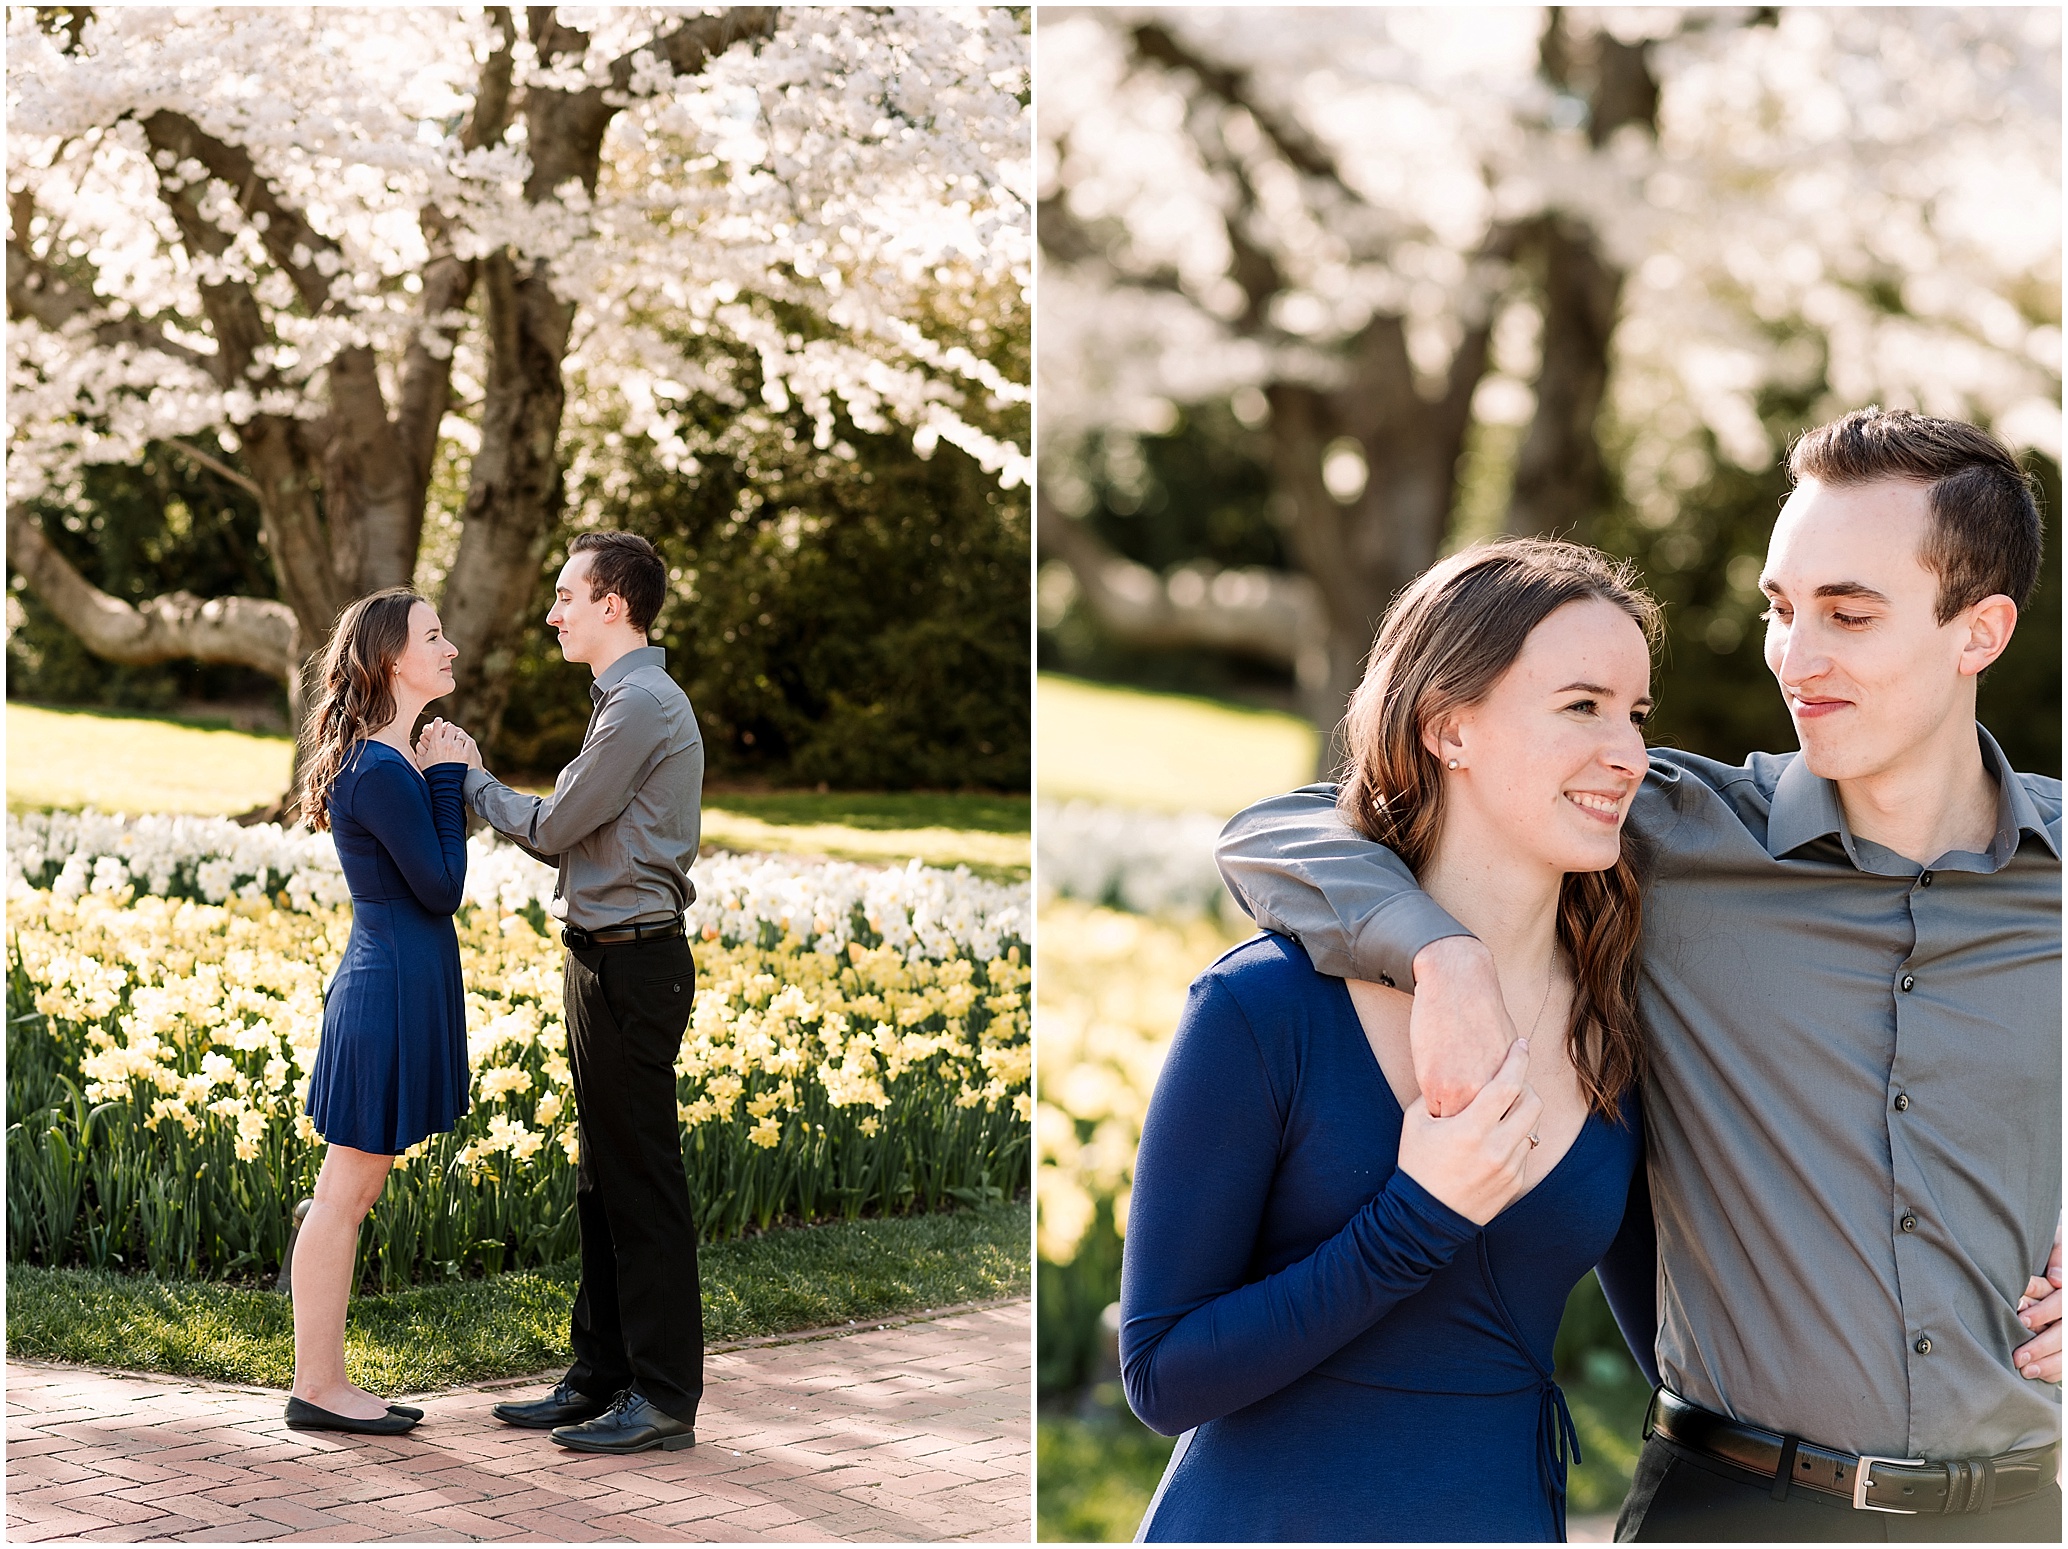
[1806, 807]
[624, 666]
[2016, 812]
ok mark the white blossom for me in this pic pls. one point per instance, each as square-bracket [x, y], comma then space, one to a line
[837, 175]
[1869, 194]
[920, 911]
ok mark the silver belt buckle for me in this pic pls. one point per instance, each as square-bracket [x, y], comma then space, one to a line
[1863, 1477]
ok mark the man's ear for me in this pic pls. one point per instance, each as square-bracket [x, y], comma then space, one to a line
[1989, 626]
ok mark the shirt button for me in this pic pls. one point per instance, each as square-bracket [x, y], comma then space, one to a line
[1902, 1102]
[1910, 1223]
[1923, 1345]
[1909, 980]
[1924, 879]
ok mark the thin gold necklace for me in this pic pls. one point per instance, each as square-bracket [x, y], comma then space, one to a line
[1550, 979]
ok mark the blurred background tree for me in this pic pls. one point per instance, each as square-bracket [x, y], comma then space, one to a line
[1326, 294]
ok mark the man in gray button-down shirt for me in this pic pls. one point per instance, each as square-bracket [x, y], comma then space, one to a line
[622, 826]
[1851, 983]
[624, 818]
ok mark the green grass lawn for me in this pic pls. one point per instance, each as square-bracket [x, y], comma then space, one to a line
[513, 1325]
[119, 762]
[137, 763]
[1163, 750]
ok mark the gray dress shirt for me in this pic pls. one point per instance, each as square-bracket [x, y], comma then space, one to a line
[623, 820]
[1854, 1096]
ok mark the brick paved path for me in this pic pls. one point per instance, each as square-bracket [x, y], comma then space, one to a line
[919, 1430]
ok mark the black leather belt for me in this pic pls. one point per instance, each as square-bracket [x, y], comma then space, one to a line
[582, 940]
[1867, 1482]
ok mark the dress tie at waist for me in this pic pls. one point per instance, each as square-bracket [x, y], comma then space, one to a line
[1558, 1444]
[1558, 1441]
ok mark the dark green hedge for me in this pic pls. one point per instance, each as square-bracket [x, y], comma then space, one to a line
[856, 621]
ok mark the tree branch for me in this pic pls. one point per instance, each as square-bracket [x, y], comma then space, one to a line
[247, 631]
[220, 469]
[695, 43]
[1302, 151]
[1272, 615]
[283, 232]
[37, 292]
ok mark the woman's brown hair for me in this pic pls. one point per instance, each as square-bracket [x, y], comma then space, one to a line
[355, 691]
[1442, 646]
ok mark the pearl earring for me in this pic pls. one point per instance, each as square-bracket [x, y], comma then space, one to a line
[1452, 764]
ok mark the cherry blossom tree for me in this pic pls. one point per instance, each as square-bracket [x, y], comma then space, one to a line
[1376, 233]
[341, 255]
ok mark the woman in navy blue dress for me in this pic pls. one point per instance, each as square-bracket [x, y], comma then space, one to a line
[392, 1065]
[1347, 1306]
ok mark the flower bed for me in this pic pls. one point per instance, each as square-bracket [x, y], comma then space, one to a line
[1129, 858]
[860, 1044]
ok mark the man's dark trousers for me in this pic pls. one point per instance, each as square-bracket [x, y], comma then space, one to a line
[639, 1315]
[1679, 1496]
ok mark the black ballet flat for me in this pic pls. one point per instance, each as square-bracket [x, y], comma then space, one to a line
[304, 1416]
[409, 1411]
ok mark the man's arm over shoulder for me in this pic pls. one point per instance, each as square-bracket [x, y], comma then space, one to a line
[1302, 870]
[1298, 867]
[629, 731]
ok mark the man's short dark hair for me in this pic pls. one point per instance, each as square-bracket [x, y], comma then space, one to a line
[627, 564]
[1984, 533]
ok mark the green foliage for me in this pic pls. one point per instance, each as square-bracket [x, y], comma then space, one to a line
[858, 621]
[1068, 1340]
[1607, 1395]
[1202, 491]
[513, 1324]
[1096, 1472]
[164, 525]
[885, 812]
[852, 615]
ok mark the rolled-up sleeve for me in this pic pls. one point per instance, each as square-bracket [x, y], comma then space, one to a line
[1299, 868]
[629, 733]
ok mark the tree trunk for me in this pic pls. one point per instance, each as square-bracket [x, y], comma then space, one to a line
[1358, 553]
[341, 497]
[1560, 482]
[243, 631]
[513, 492]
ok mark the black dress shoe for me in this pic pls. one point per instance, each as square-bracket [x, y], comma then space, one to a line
[563, 1406]
[304, 1416]
[631, 1424]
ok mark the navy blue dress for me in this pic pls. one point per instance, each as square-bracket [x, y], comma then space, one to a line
[392, 1066]
[1353, 1359]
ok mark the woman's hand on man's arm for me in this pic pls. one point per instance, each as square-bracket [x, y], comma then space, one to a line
[1474, 1161]
[1458, 1026]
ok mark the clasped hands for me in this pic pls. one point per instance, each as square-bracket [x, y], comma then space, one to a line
[441, 742]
